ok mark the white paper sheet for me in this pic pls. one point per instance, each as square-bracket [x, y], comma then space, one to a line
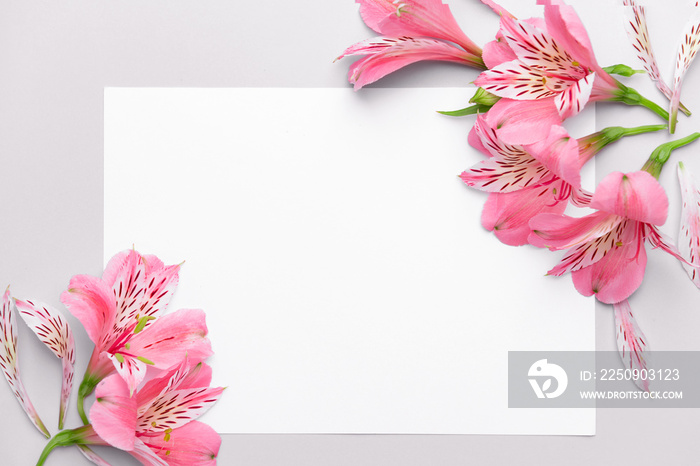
[348, 284]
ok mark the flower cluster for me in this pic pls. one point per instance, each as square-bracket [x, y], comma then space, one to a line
[147, 370]
[534, 75]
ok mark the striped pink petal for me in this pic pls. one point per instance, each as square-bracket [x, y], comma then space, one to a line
[53, 330]
[92, 456]
[384, 55]
[518, 81]
[572, 100]
[498, 9]
[146, 455]
[506, 174]
[129, 368]
[619, 273]
[176, 408]
[558, 232]
[142, 286]
[637, 31]
[689, 234]
[9, 362]
[631, 342]
[686, 54]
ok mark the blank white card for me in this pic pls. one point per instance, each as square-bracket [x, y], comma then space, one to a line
[348, 284]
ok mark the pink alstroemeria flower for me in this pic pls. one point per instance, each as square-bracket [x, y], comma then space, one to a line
[123, 315]
[9, 363]
[53, 330]
[606, 254]
[412, 31]
[156, 424]
[556, 62]
[526, 180]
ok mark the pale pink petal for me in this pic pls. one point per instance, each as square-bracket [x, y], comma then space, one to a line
[146, 455]
[92, 456]
[53, 330]
[92, 303]
[558, 232]
[572, 100]
[417, 18]
[638, 33]
[590, 252]
[686, 54]
[581, 198]
[385, 55]
[474, 138]
[176, 408]
[518, 81]
[113, 415]
[172, 336]
[189, 374]
[560, 154]
[488, 141]
[637, 196]
[631, 342]
[523, 122]
[538, 49]
[129, 368]
[508, 214]
[10, 364]
[661, 241]
[617, 275]
[689, 234]
[194, 444]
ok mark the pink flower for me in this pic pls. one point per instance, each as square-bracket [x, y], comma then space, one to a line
[553, 62]
[606, 249]
[156, 424]
[412, 31]
[123, 315]
[527, 180]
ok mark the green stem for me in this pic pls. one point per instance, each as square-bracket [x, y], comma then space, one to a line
[643, 129]
[661, 154]
[629, 96]
[65, 438]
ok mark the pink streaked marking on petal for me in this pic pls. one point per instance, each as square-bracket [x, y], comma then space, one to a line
[518, 81]
[631, 342]
[575, 97]
[507, 174]
[176, 408]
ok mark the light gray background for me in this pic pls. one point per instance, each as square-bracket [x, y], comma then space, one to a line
[55, 60]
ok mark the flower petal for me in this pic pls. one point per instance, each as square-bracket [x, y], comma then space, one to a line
[146, 455]
[142, 287]
[689, 234]
[519, 81]
[631, 342]
[560, 154]
[92, 456]
[687, 50]
[129, 368]
[558, 232]
[572, 100]
[176, 408]
[173, 336]
[637, 196]
[9, 363]
[387, 54]
[523, 122]
[416, 18]
[637, 31]
[507, 174]
[497, 52]
[113, 415]
[618, 274]
[194, 444]
[53, 330]
[508, 214]
[92, 303]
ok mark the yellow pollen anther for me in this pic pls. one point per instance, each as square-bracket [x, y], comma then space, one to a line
[619, 243]
[119, 357]
[142, 323]
[575, 63]
[153, 423]
[127, 345]
[167, 452]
